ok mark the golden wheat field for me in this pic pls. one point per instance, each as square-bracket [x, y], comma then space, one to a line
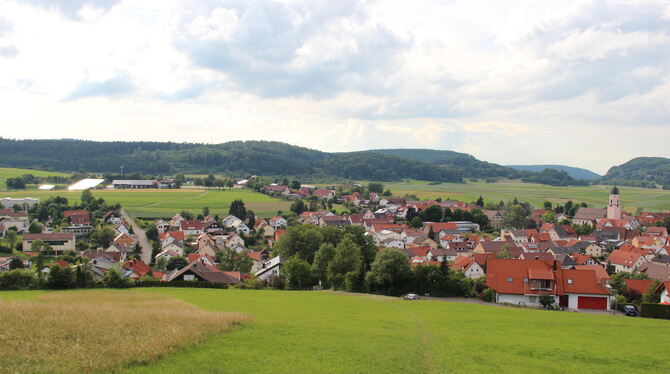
[101, 331]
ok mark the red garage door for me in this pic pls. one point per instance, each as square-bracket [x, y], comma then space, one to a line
[591, 302]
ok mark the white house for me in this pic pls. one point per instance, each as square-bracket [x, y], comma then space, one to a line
[270, 268]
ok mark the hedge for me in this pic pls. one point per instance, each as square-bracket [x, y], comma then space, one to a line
[652, 310]
[188, 284]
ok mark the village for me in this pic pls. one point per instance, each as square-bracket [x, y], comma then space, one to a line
[567, 257]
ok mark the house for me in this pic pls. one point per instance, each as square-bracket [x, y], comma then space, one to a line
[593, 250]
[440, 254]
[258, 259]
[59, 242]
[655, 271]
[521, 282]
[200, 271]
[625, 260]
[638, 285]
[135, 269]
[601, 273]
[276, 190]
[270, 268]
[278, 222]
[648, 241]
[657, 231]
[205, 258]
[496, 218]
[240, 227]
[468, 266]
[333, 221]
[133, 183]
[498, 248]
[664, 290]
[324, 194]
[162, 226]
[24, 203]
[191, 227]
[588, 216]
[124, 241]
[519, 236]
[168, 254]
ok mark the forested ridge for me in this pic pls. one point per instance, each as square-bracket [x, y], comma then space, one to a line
[256, 157]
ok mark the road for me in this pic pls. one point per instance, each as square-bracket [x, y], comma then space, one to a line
[141, 238]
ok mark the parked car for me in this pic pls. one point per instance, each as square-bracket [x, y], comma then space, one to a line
[630, 310]
[411, 296]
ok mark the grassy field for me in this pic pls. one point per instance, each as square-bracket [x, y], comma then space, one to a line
[536, 194]
[327, 332]
[165, 203]
[101, 331]
[12, 173]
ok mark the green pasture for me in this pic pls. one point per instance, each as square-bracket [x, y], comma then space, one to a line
[536, 194]
[165, 203]
[13, 172]
[328, 332]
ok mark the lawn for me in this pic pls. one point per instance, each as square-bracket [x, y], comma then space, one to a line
[327, 332]
[165, 203]
[536, 194]
[12, 173]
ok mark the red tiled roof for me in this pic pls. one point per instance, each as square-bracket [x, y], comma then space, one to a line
[177, 235]
[639, 285]
[625, 258]
[50, 236]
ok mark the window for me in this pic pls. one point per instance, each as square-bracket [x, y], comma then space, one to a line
[188, 277]
[569, 281]
[509, 280]
[525, 280]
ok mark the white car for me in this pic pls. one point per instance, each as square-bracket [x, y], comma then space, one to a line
[411, 296]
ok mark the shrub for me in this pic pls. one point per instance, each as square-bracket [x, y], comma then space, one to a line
[488, 295]
[275, 281]
[251, 284]
[548, 302]
[651, 310]
[114, 280]
[18, 279]
[179, 284]
[60, 278]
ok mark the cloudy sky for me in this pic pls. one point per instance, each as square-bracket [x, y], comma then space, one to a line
[583, 83]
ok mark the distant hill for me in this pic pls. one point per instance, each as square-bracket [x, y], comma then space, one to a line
[640, 171]
[577, 173]
[240, 158]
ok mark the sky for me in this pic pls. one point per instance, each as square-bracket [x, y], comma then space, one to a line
[580, 83]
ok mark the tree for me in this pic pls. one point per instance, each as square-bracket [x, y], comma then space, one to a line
[11, 237]
[60, 278]
[322, 258]
[176, 263]
[516, 216]
[650, 295]
[547, 205]
[295, 185]
[230, 260]
[251, 219]
[298, 207]
[86, 197]
[375, 187]
[102, 237]
[480, 202]
[431, 233]
[303, 240]
[549, 217]
[205, 211]
[113, 279]
[298, 274]
[548, 302]
[15, 263]
[238, 209]
[415, 223]
[161, 263]
[433, 213]
[15, 183]
[390, 273]
[35, 228]
[152, 232]
[347, 259]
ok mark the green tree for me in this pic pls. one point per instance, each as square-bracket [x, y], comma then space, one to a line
[102, 237]
[480, 202]
[15, 263]
[390, 273]
[205, 211]
[298, 274]
[433, 213]
[548, 302]
[298, 207]
[251, 219]
[161, 263]
[86, 197]
[303, 240]
[60, 278]
[347, 259]
[549, 216]
[375, 187]
[650, 295]
[152, 232]
[295, 185]
[176, 263]
[230, 260]
[11, 238]
[547, 205]
[113, 279]
[322, 258]
[416, 222]
[35, 228]
[238, 209]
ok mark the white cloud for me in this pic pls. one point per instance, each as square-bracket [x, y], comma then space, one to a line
[547, 82]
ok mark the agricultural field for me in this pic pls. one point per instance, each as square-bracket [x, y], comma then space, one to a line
[165, 203]
[329, 332]
[12, 173]
[536, 194]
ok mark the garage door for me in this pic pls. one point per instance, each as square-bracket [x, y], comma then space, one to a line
[591, 302]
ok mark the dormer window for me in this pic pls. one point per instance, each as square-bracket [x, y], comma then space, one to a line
[509, 280]
[569, 281]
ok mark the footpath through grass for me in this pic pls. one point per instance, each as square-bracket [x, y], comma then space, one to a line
[325, 332]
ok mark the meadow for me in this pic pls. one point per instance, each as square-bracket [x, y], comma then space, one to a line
[330, 332]
[165, 203]
[536, 194]
[100, 331]
[13, 172]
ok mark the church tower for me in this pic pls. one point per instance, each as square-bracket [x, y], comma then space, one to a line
[614, 206]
